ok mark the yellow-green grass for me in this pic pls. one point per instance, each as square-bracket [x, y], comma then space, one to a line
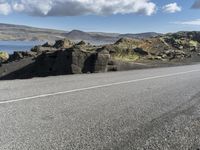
[130, 57]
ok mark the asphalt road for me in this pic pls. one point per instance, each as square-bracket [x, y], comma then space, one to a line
[142, 109]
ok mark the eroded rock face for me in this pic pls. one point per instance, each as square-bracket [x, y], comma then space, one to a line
[74, 60]
[102, 60]
[88, 62]
[78, 60]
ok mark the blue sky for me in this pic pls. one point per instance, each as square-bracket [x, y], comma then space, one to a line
[124, 17]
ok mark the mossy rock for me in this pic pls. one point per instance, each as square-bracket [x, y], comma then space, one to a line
[193, 43]
[4, 56]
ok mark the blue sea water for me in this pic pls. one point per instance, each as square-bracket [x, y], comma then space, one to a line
[11, 46]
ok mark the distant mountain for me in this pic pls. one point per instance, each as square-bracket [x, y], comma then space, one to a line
[140, 35]
[78, 35]
[21, 32]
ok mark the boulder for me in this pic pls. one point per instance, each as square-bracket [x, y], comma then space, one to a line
[17, 55]
[193, 49]
[140, 51]
[176, 52]
[42, 49]
[78, 61]
[89, 62]
[47, 44]
[102, 60]
[172, 54]
[124, 41]
[155, 58]
[63, 44]
[110, 48]
[82, 43]
[164, 56]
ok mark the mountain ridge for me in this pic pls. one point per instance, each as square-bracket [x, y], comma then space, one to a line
[28, 33]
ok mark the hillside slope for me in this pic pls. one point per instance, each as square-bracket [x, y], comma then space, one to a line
[21, 33]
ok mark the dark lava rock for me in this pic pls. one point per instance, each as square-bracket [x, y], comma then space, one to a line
[42, 49]
[82, 43]
[71, 61]
[192, 35]
[140, 51]
[102, 60]
[123, 40]
[109, 48]
[47, 44]
[172, 54]
[78, 60]
[74, 60]
[63, 44]
[17, 55]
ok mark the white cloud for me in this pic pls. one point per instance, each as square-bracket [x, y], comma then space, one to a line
[18, 7]
[5, 8]
[172, 8]
[196, 4]
[83, 7]
[195, 22]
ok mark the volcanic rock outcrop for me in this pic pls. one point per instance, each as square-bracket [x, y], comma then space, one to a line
[66, 57]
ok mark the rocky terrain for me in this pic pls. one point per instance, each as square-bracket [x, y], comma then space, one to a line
[67, 57]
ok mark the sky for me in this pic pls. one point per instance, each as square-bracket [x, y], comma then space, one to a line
[114, 16]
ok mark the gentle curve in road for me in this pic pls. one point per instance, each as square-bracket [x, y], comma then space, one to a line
[141, 109]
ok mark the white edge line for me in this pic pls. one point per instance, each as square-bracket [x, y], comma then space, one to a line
[94, 87]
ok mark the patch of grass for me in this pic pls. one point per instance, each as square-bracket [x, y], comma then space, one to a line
[131, 57]
[4, 56]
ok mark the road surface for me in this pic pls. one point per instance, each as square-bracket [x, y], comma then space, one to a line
[141, 109]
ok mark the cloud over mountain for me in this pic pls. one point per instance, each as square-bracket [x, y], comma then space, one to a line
[82, 7]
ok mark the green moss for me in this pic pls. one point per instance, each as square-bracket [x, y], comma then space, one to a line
[193, 43]
[4, 56]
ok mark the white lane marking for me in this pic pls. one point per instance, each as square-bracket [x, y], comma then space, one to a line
[95, 87]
